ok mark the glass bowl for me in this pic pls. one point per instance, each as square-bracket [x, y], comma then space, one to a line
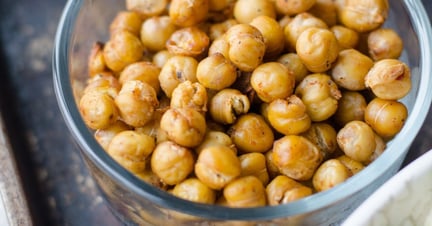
[135, 202]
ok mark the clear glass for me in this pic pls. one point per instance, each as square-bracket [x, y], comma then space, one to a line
[86, 21]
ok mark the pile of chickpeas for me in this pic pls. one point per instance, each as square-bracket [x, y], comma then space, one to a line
[246, 103]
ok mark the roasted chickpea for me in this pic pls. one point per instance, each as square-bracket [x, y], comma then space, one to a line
[96, 62]
[104, 83]
[357, 140]
[351, 106]
[190, 95]
[175, 71]
[217, 30]
[156, 31]
[144, 71]
[325, 10]
[219, 45]
[320, 95]
[186, 13]
[379, 149]
[352, 165]
[104, 136]
[384, 43]
[217, 165]
[293, 7]
[288, 116]
[329, 174]
[272, 169]
[317, 48]
[136, 102]
[295, 65]
[213, 138]
[126, 20]
[122, 49]
[251, 133]
[246, 10]
[346, 37]
[98, 109]
[362, 15]
[185, 126]
[131, 149]
[272, 81]
[161, 57]
[282, 190]
[227, 104]
[386, 117]
[171, 162]
[254, 164]
[323, 135]
[188, 41]
[147, 8]
[389, 79]
[273, 34]
[247, 191]
[216, 72]
[350, 69]
[297, 25]
[296, 157]
[194, 190]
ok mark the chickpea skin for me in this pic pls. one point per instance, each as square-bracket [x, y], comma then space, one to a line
[323, 135]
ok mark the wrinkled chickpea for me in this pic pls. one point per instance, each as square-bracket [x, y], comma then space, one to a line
[143, 71]
[254, 164]
[188, 41]
[96, 62]
[190, 95]
[357, 140]
[323, 135]
[227, 104]
[104, 136]
[297, 25]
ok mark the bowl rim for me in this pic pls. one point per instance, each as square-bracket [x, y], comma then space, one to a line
[90, 147]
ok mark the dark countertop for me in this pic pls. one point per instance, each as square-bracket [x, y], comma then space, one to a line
[57, 184]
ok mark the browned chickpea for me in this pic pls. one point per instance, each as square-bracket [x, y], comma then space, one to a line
[272, 169]
[143, 71]
[298, 24]
[130, 149]
[213, 138]
[272, 81]
[246, 10]
[357, 140]
[389, 79]
[161, 57]
[295, 65]
[346, 37]
[104, 136]
[325, 10]
[219, 45]
[156, 31]
[186, 13]
[126, 20]
[317, 48]
[217, 30]
[147, 8]
[98, 109]
[171, 162]
[323, 135]
[293, 7]
[288, 116]
[386, 117]
[273, 34]
[185, 126]
[296, 157]
[122, 49]
[362, 15]
[227, 104]
[352, 165]
[254, 164]
[320, 95]
[96, 62]
[175, 71]
[105, 83]
[384, 43]
[251, 133]
[282, 190]
[190, 95]
[351, 106]
[350, 69]
[188, 41]
[194, 190]
[217, 165]
[245, 191]
[331, 173]
[216, 72]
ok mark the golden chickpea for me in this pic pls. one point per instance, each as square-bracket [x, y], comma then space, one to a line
[122, 49]
[126, 20]
[351, 106]
[282, 190]
[194, 190]
[272, 81]
[156, 31]
[104, 83]
[317, 48]
[295, 66]
[320, 95]
[217, 30]
[161, 57]
[171, 162]
[346, 37]
[188, 41]
[274, 37]
[219, 45]
[217, 165]
[136, 102]
[251, 133]
[214, 138]
[323, 135]
[357, 140]
[296, 157]
[144, 71]
[175, 71]
[98, 110]
[293, 7]
[246, 10]
[245, 191]
[190, 95]
[227, 104]
[331, 173]
[384, 43]
[389, 79]
[216, 72]
[288, 116]
[185, 126]
[325, 10]
[186, 13]
[96, 62]
[254, 164]
[386, 117]
[352, 165]
[147, 8]
[362, 15]
[130, 149]
[350, 69]
[104, 136]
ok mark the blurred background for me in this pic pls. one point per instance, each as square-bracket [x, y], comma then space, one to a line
[58, 189]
